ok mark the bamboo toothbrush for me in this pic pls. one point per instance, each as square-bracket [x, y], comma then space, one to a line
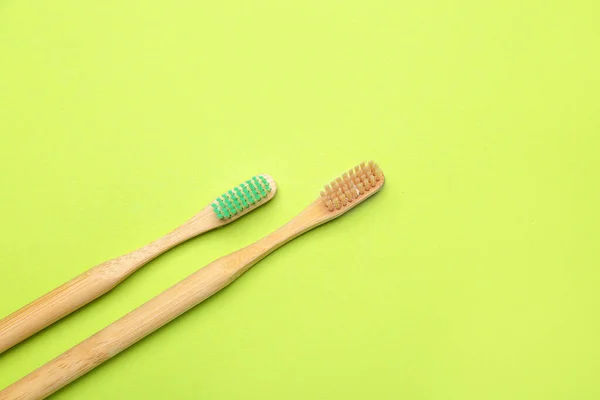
[100, 279]
[341, 195]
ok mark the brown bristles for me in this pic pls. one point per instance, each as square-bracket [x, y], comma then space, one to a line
[351, 185]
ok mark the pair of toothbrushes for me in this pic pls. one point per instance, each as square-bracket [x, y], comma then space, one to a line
[100, 279]
[342, 194]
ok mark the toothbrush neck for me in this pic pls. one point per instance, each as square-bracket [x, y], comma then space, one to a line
[309, 218]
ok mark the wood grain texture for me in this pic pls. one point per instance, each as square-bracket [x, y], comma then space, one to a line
[166, 306]
[98, 280]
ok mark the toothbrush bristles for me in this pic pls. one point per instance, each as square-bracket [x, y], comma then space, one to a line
[351, 185]
[241, 197]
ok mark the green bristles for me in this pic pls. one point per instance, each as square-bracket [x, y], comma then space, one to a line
[241, 197]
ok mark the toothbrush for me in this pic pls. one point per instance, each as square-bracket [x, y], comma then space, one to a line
[340, 196]
[100, 279]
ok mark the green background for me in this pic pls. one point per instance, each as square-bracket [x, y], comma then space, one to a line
[472, 275]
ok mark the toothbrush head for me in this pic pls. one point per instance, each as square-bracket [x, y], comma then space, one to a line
[352, 187]
[244, 198]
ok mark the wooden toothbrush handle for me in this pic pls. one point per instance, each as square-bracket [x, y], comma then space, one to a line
[54, 305]
[121, 334]
[92, 284]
